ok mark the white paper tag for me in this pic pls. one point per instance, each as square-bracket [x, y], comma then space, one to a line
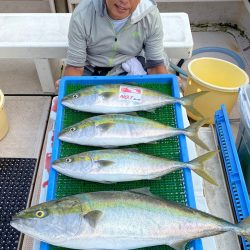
[130, 94]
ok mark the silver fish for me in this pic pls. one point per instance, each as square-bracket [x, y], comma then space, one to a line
[122, 130]
[117, 165]
[121, 98]
[120, 220]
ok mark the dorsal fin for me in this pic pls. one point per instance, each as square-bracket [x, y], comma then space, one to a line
[134, 150]
[144, 190]
[179, 245]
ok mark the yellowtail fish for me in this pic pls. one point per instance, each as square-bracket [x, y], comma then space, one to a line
[121, 130]
[120, 220]
[121, 98]
[117, 165]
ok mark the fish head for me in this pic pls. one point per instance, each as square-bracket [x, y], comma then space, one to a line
[52, 222]
[81, 99]
[77, 133]
[77, 164]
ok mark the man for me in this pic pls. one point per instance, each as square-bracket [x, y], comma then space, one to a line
[106, 37]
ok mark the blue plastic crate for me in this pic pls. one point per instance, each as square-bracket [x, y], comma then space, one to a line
[139, 80]
[232, 165]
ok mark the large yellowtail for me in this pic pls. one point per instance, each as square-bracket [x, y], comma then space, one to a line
[120, 220]
[123, 98]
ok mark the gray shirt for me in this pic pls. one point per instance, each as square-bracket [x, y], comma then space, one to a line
[94, 41]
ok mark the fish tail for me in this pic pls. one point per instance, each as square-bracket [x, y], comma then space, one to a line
[197, 165]
[192, 133]
[244, 228]
[188, 102]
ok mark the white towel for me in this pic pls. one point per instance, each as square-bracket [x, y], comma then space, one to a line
[133, 67]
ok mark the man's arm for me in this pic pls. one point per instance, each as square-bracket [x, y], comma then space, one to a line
[70, 71]
[159, 69]
[153, 45]
[76, 53]
[73, 71]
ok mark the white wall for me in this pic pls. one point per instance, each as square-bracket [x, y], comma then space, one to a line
[244, 17]
[211, 11]
[204, 12]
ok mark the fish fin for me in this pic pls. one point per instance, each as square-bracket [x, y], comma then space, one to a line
[197, 165]
[245, 228]
[157, 178]
[107, 94]
[144, 190]
[151, 142]
[105, 126]
[104, 163]
[130, 113]
[131, 149]
[133, 113]
[92, 217]
[179, 245]
[152, 111]
[192, 133]
[109, 146]
[106, 182]
[187, 102]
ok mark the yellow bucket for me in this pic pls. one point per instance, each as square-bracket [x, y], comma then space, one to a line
[221, 78]
[4, 126]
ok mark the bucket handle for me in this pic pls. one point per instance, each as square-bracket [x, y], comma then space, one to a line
[1, 99]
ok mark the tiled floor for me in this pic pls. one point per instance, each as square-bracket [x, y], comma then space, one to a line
[27, 116]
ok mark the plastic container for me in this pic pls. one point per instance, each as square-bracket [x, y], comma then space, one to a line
[231, 164]
[243, 136]
[221, 78]
[177, 186]
[4, 125]
[177, 38]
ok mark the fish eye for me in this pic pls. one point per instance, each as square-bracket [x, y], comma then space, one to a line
[72, 129]
[40, 214]
[68, 160]
[75, 96]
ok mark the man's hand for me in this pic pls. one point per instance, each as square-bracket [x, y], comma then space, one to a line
[160, 69]
[57, 82]
[70, 71]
